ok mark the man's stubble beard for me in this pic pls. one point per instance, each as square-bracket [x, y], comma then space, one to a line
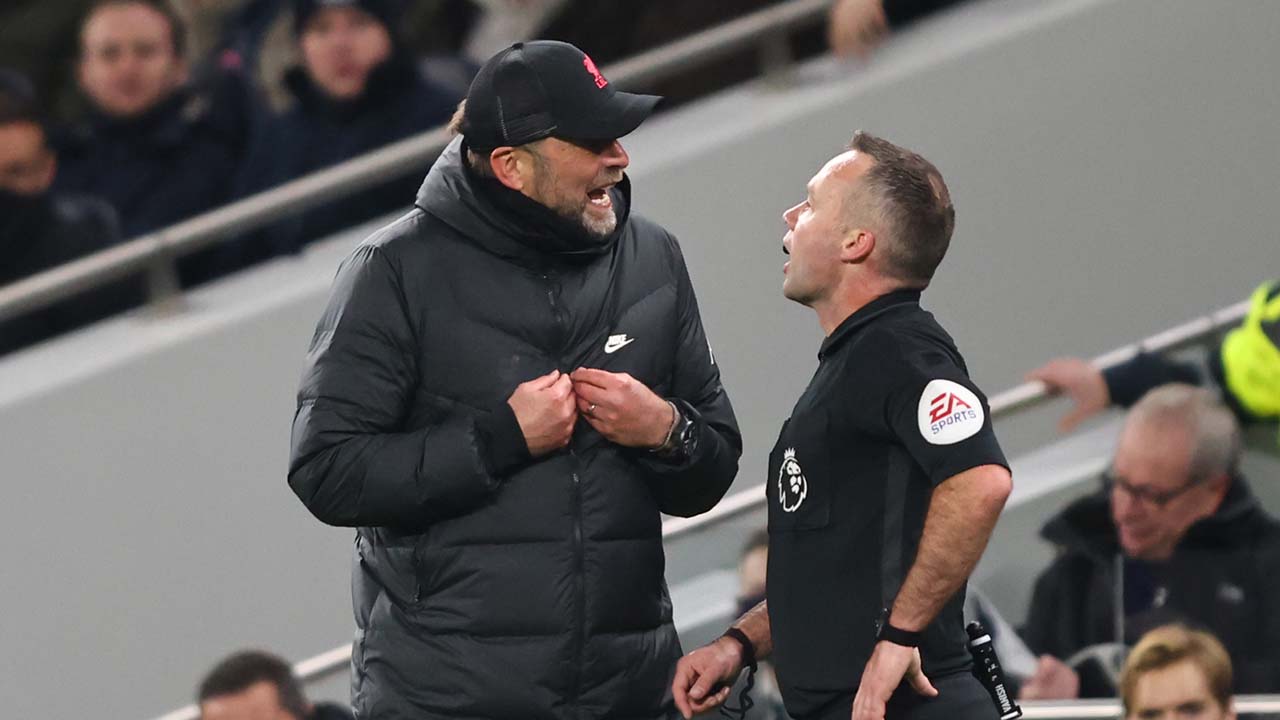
[547, 191]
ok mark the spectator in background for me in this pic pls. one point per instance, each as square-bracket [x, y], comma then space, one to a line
[40, 229]
[753, 566]
[857, 27]
[1174, 672]
[148, 147]
[1245, 366]
[356, 90]
[1177, 534]
[254, 685]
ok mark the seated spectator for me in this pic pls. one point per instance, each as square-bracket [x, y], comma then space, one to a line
[356, 90]
[1245, 366]
[1176, 673]
[253, 685]
[40, 229]
[1176, 536]
[753, 566]
[148, 146]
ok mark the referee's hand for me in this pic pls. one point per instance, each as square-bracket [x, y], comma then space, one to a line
[705, 676]
[889, 665]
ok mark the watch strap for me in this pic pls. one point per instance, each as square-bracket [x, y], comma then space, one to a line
[898, 636]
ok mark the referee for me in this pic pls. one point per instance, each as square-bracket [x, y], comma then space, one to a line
[887, 479]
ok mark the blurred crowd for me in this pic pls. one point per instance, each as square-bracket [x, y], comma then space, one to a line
[123, 117]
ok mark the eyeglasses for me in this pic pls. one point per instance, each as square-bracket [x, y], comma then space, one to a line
[1148, 496]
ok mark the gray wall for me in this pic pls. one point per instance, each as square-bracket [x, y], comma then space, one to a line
[1115, 169]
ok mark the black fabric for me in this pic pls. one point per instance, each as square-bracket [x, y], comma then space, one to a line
[318, 131]
[1130, 380]
[508, 589]
[849, 485]
[535, 89]
[902, 12]
[330, 711]
[1224, 576]
[960, 697]
[167, 165]
[42, 232]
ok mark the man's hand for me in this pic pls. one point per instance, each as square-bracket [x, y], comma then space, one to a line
[856, 27]
[699, 672]
[544, 407]
[1079, 380]
[621, 408]
[889, 664]
[1054, 680]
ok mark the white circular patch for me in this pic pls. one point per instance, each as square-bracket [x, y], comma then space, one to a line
[792, 487]
[948, 412]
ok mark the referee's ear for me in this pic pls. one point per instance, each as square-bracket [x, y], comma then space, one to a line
[856, 245]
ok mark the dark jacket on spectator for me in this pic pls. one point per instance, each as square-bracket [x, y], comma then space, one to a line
[167, 165]
[43, 232]
[330, 711]
[318, 132]
[488, 584]
[1224, 577]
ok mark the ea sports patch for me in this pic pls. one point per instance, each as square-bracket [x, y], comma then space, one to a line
[949, 412]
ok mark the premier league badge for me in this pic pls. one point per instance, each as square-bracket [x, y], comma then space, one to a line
[792, 487]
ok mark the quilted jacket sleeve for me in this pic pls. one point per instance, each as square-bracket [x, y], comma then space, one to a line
[696, 483]
[352, 460]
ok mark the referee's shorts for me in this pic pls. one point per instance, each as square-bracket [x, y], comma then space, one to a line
[960, 697]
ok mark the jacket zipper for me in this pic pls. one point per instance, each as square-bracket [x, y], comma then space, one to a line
[580, 591]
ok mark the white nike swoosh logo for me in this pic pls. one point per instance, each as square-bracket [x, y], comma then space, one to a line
[616, 343]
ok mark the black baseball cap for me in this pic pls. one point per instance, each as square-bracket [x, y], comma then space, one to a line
[545, 88]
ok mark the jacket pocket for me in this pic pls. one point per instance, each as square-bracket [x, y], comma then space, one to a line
[799, 480]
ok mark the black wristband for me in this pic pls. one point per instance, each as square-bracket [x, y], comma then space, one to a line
[748, 649]
[898, 636]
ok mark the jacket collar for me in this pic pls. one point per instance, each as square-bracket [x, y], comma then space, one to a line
[505, 222]
[1086, 526]
[165, 125]
[865, 314]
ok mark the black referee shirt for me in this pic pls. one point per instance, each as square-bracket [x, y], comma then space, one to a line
[889, 414]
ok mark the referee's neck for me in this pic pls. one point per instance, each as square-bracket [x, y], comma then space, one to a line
[853, 294]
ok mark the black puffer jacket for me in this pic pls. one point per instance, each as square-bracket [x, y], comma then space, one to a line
[487, 584]
[1224, 577]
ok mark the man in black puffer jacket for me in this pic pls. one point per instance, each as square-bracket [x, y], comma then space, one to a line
[509, 386]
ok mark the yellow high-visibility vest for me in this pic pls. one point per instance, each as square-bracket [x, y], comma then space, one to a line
[1251, 355]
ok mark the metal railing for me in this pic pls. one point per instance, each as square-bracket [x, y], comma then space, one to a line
[156, 253]
[1023, 397]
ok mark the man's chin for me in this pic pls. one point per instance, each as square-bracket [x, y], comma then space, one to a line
[599, 225]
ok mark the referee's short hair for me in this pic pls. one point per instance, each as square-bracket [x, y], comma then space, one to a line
[247, 668]
[911, 199]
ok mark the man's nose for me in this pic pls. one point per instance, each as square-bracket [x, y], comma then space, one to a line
[616, 156]
[789, 216]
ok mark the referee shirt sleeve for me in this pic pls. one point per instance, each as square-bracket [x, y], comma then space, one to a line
[934, 409]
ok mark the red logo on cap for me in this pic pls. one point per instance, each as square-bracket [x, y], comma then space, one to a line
[591, 68]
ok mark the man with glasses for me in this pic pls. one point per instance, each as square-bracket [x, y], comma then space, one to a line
[1177, 535]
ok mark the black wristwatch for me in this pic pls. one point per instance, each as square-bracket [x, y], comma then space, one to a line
[681, 441]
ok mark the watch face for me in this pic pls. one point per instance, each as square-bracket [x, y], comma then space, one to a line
[688, 438]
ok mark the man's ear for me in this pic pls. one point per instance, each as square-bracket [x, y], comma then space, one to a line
[505, 163]
[856, 245]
